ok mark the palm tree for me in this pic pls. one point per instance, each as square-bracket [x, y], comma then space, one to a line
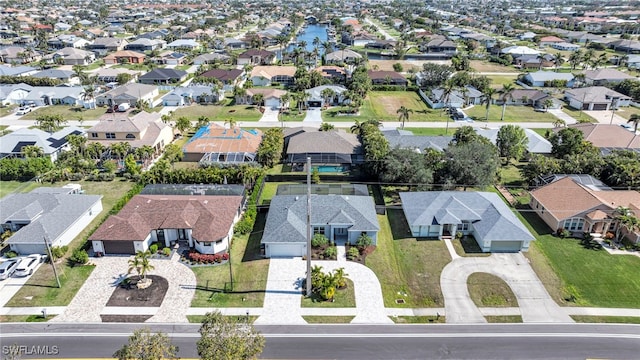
[258, 99]
[141, 264]
[87, 95]
[506, 92]
[325, 126]
[404, 115]
[635, 119]
[575, 59]
[624, 217]
[327, 95]
[487, 100]
[547, 103]
[558, 60]
[32, 151]
[78, 143]
[559, 123]
[231, 121]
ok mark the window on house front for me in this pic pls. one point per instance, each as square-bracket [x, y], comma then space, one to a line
[130, 136]
[110, 135]
[94, 135]
[206, 244]
[465, 226]
[318, 230]
[574, 224]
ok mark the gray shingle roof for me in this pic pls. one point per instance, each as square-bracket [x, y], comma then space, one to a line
[537, 143]
[337, 141]
[491, 218]
[418, 142]
[286, 221]
[57, 212]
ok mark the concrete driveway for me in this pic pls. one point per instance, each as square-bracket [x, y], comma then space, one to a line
[605, 117]
[562, 116]
[91, 300]
[533, 299]
[313, 115]
[270, 115]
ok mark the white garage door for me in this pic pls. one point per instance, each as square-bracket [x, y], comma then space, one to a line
[285, 250]
[272, 103]
[506, 246]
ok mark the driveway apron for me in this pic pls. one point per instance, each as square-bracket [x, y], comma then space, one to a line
[283, 292]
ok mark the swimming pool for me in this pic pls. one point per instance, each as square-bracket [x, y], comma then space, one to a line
[331, 168]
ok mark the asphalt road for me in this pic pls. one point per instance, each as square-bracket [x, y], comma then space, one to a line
[564, 341]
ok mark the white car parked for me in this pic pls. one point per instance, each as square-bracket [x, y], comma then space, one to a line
[27, 265]
[7, 268]
[23, 110]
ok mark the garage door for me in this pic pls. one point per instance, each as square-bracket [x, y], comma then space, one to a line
[118, 247]
[314, 104]
[506, 246]
[600, 106]
[285, 250]
[272, 103]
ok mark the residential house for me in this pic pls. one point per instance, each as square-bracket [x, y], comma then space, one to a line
[626, 46]
[157, 34]
[317, 99]
[335, 74]
[549, 41]
[268, 75]
[345, 56]
[73, 56]
[530, 61]
[257, 57]
[55, 215]
[529, 97]
[608, 137]
[547, 78]
[212, 58]
[565, 46]
[536, 143]
[579, 208]
[228, 78]
[184, 45]
[233, 44]
[387, 78]
[381, 45]
[439, 45]
[341, 218]
[605, 76]
[110, 75]
[217, 144]
[633, 62]
[54, 95]
[104, 45]
[405, 139]
[271, 98]
[6, 70]
[483, 215]
[519, 51]
[170, 58]
[203, 222]
[18, 55]
[595, 98]
[128, 93]
[163, 76]
[138, 130]
[335, 147]
[186, 95]
[63, 75]
[143, 44]
[359, 39]
[124, 57]
[14, 93]
[52, 144]
[456, 99]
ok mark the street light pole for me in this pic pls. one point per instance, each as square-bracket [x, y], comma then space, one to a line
[613, 110]
[308, 226]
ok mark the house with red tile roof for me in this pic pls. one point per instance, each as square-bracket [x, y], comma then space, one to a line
[569, 204]
[203, 222]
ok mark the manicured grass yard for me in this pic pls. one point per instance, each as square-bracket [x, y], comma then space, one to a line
[269, 190]
[511, 114]
[8, 187]
[430, 131]
[67, 112]
[41, 287]
[487, 290]
[418, 319]
[328, 319]
[408, 269]
[343, 298]
[498, 81]
[249, 274]
[594, 277]
[7, 109]
[577, 114]
[606, 319]
[292, 115]
[626, 112]
[219, 112]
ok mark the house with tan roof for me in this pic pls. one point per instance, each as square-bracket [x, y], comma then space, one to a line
[595, 98]
[138, 130]
[605, 76]
[218, 144]
[550, 40]
[579, 208]
[271, 98]
[335, 147]
[128, 93]
[267, 75]
[608, 137]
[203, 222]
[256, 57]
[124, 56]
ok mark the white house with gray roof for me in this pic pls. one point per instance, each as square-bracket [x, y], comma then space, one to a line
[51, 144]
[340, 218]
[59, 214]
[442, 214]
[543, 78]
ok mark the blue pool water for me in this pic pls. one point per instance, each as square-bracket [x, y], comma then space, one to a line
[330, 168]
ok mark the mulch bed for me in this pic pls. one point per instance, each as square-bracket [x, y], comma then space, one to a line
[125, 318]
[132, 296]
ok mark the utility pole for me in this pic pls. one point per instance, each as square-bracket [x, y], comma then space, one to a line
[55, 272]
[230, 268]
[308, 226]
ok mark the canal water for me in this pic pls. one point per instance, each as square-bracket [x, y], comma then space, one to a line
[308, 34]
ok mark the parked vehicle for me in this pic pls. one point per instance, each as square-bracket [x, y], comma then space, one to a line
[23, 111]
[123, 107]
[27, 265]
[7, 268]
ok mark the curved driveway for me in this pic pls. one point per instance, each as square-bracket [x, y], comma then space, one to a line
[535, 303]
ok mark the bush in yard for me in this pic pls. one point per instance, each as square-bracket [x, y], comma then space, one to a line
[58, 251]
[166, 251]
[153, 248]
[11, 254]
[79, 256]
[364, 240]
[225, 256]
[563, 233]
[319, 240]
[353, 253]
[330, 252]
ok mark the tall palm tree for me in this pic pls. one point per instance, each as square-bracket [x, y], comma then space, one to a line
[404, 115]
[231, 121]
[506, 91]
[327, 95]
[575, 58]
[558, 60]
[635, 119]
[88, 94]
[487, 100]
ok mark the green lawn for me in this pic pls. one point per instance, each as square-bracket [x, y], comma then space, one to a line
[468, 247]
[511, 114]
[407, 268]
[328, 319]
[606, 319]
[67, 112]
[8, 187]
[292, 115]
[249, 274]
[343, 298]
[219, 112]
[41, 289]
[626, 112]
[430, 131]
[498, 81]
[577, 114]
[23, 318]
[7, 109]
[95, 65]
[269, 190]
[418, 319]
[504, 319]
[594, 277]
[487, 290]
[198, 319]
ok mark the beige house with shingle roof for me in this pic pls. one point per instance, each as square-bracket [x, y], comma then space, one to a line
[266, 75]
[605, 136]
[566, 204]
[141, 129]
